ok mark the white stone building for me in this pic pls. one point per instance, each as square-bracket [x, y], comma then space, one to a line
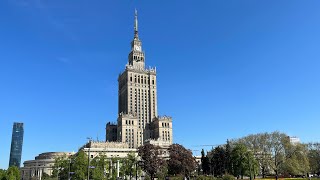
[109, 149]
[43, 163]
[138, 118]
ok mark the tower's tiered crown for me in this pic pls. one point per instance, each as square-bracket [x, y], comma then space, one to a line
[136, 56]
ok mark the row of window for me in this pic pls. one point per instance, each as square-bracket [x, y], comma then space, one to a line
[166, 125]
[138, 58]
[129, 122]
[137, 106]
[166, 135]
[129, 137]
[141, 79]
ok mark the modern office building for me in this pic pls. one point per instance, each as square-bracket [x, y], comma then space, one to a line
[138, 118]
[16, 144]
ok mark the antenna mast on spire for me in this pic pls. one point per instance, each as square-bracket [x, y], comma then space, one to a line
[135, 23]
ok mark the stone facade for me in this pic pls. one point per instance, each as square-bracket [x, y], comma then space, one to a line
[138, 118]
[109, 149]
[43, 163]
[162, 129]
[128, 129]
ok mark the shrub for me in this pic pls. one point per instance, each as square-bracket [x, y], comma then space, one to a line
[176, 178]
[206, 178]
[147, 177]
[228, 177]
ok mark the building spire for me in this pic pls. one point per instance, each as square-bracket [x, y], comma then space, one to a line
[135, 23]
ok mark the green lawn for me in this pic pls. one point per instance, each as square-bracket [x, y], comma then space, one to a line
[289, 178]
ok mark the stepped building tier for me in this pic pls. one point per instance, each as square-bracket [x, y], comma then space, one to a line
[138, 118]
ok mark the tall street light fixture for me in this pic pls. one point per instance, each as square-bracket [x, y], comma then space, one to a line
[89, 139]
[138, 163]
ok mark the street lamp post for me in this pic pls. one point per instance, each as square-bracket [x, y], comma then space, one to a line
[69, 168]
[249, 163]
[118, 169]
[110, 172]
[138, 163]
[89, 158]
[89, 164]
[136, 170]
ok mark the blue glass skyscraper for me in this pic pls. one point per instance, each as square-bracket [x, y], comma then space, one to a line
[16, 144]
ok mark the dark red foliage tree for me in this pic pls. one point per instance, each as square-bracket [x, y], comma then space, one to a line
[151, 157]
[181, 161]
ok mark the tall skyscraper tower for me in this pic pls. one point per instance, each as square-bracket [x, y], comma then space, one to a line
[16, 144]
[138, 100]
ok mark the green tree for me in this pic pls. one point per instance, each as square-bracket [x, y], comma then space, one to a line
[314, 158]
[3, 174]
[263, 154]
[252, 142]
[77, 164]
[181, 161]
[100, 164]
[298, 163]
[205, 163]
[239, 160]
[163, 172]
[228, 161]
[13, 173]
[60, 168]
[219, 161]
[274, 153]
[278, 144]
[45, 176]
[113, 168]
[80, 165]
[251, 165]
[152, 162]
[129, 165]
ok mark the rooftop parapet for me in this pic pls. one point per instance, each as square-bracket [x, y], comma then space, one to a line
[111, 124]
[158, 142]
[137, 68]
[128, 115]
[53, 155]
[102, 144]
[164, 118]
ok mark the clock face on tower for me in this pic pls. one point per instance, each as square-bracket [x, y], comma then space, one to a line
[137, 48]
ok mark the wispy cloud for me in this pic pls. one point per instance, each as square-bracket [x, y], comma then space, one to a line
[64, 60]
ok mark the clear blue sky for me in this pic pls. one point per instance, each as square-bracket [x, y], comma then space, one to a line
[225, 68]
